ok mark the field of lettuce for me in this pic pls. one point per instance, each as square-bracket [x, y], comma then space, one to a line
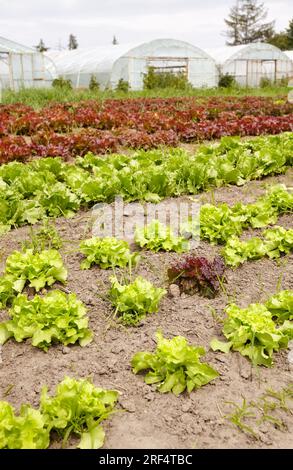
[151, 341]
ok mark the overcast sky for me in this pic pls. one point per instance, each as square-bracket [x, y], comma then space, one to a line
[94, 22]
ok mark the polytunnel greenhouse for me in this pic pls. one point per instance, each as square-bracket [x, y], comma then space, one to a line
[130, 63]
[22, 66]
[290, 55]
[249, 64]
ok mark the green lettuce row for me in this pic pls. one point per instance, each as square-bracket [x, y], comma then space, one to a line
[56, 317]
[253, 332]
[276, 241]
[78, 407]
[134, 301]
[50, 187]
[36, 270]
[107, 252]
[174, 366]
[218, 223]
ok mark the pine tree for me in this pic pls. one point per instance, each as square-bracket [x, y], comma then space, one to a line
[245, 23]
[41, 46]
[73, 44]
[114, 41]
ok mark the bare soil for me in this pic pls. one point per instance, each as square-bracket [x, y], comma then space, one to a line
[151, 419]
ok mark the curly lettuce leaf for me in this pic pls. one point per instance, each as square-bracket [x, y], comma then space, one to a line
[78, 407]
[36, 269]
[56, 317]
[26, 431]
[281, 306]
[174, 366]
[157, 237]
[134, 301]
[107, 253]
[252, 332]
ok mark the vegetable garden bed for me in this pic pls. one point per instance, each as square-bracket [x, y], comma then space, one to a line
[152, 419]
[149, 342]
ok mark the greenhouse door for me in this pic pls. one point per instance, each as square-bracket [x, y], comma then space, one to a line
[269, 70]
[175, 65]
[253, 74]
[258, 69]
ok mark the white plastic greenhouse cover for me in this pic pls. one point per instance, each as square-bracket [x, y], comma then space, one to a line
[78, 65]
[165, 55]
[129, 62]
[289, 54]
[249, 63]
[10, 46]
[22, 66]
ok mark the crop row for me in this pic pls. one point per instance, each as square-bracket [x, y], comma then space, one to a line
[71, 129]
[143, 114]
[50, 144]
[58, 317]
[51, 187]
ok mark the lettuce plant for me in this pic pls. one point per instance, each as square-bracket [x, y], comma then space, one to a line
[197, 274]
[174, 366]
[276, 241]
[157, 237]
[281, 306]
[78, 407]
[221, 222]
[134, 301]
[35, 269]
[237, 251]
[27, 430]
[56, 317]
[107, 253]
[252, 332]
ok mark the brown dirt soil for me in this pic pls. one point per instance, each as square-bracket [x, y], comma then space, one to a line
[151, 419]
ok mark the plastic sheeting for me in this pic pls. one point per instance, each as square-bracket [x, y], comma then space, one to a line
[250, 63]
[289, 54]
[130, 62]
[23, 67]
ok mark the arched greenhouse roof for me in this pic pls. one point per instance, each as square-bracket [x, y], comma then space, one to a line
[159, 46]
[289, 54]
[87, 60]
[253, 51]
[111, 63]
[7, 46]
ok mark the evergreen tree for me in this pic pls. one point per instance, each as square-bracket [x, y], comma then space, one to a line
[245, 23]
[284, 39]
[41, 46]
[280, 40]
[114, 41]
[73, 44]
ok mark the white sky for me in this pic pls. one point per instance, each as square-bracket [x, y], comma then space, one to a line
[94, 22]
